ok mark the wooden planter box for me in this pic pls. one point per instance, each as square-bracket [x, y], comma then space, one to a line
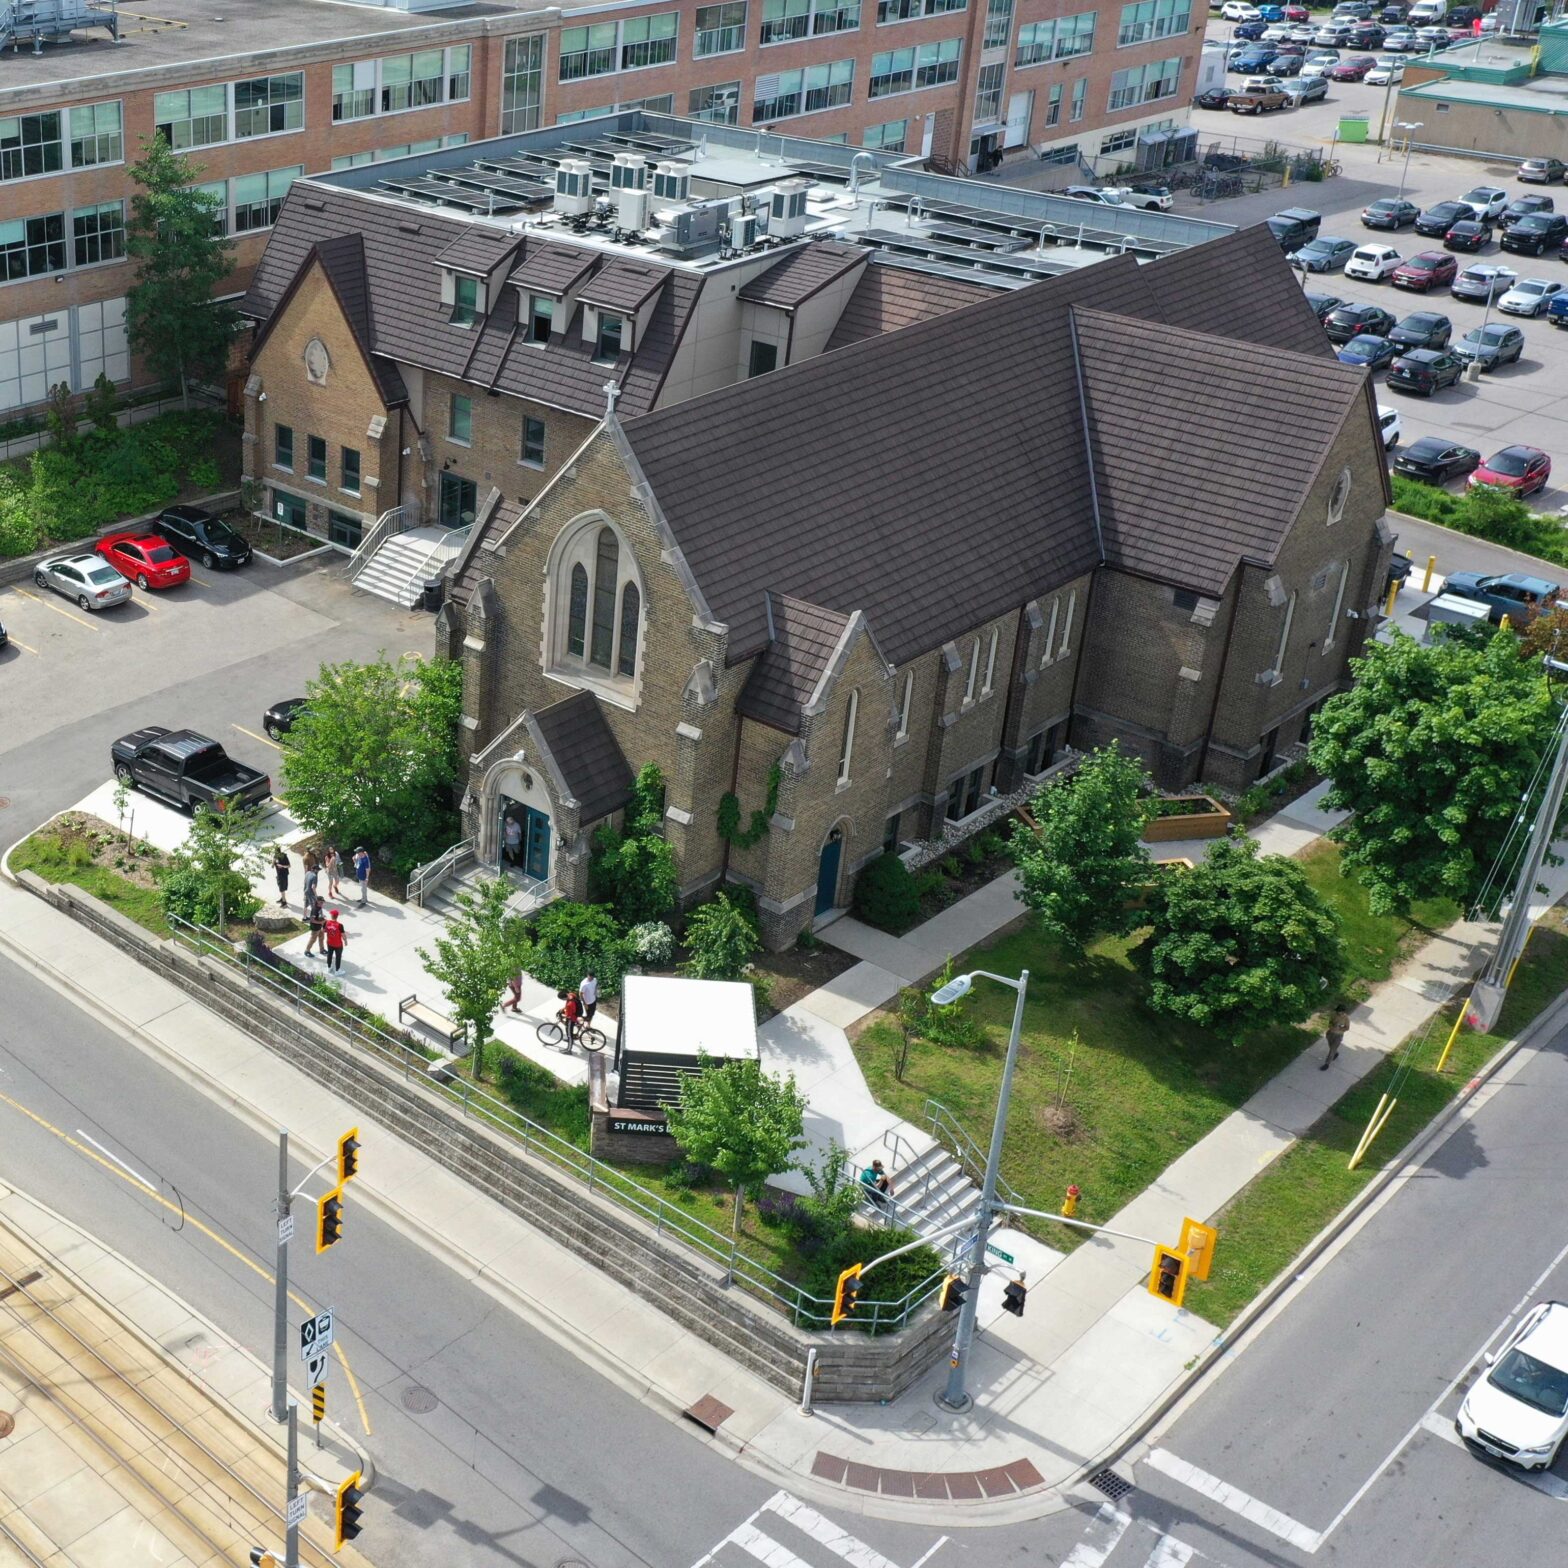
[1212, 821]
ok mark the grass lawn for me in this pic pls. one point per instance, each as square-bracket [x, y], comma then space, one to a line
[1269, 1222]
[1138, 1091]
[54, 859]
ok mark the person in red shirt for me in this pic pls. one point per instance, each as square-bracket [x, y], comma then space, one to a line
[336, 938]
[571, 1017]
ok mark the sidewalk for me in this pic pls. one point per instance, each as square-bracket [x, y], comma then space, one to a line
[136, 1442]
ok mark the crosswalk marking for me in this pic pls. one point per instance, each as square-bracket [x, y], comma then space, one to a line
[1233, 1498]
[751, 1538]
[1169, 1553]
[1101, 1539]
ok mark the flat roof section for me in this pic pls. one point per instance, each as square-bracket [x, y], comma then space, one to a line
[1544, 95]
[679, 1017]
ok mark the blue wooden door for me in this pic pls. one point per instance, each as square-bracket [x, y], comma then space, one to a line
[536, 844]
[827, 872]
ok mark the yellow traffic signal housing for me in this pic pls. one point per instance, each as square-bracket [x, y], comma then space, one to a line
[954, 1289]
[345, 1510]
[1168, 1277]
[846, 1293]
[348, 1155]
[329, 1219]
[1197, 1246]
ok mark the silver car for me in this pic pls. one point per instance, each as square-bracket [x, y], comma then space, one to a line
[1483, 281]
[88, 579]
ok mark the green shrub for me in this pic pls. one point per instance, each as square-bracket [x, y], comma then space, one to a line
[892, 1282]
[206, 476]
[540, 1096]
[721, 938]
[1486, 512]
[567, 940]
[187, 896]
[887, 896]
[651, 943]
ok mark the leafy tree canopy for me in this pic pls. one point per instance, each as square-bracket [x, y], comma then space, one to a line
[475, 956]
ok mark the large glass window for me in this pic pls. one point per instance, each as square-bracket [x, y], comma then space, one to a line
[30, 144]
[266, 105]
[719, 103]
[908, 70]
[784, 93]
[608, 343]
[1075, 34]
[283, 446]
[217, 194]
[459, 501]
[600, 602]
[354, 90]
[587, 51]
[1059, 40]
[606, 571]
[631, 611]
[1144, 84]
[998, 24]
[30, 247]
[648, 40]
[349, 479]
[910, 10]
[891, 136]
[783, 20]
[465, 301]
[98, 233]
[96, 135]
[721, 29]
[522, 80]
[541, 318]
[988, 92]
[834, 16]
[257, 198]
[1153, 19]
[316, 458]
[460, 420]
[197, 117]
[577, 612]
[533, 442]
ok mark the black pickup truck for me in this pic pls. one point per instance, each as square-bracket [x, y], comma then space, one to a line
[186, 769]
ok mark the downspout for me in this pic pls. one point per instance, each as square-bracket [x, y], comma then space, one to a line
[1214, 707]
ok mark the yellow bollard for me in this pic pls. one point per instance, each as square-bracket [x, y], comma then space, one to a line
[1385, 1109]
[1453, 1034]
[1503, 625]
[1393, 593]
[1426, 582]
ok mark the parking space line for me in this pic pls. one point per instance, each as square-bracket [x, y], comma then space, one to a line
[25, 647]
[57, 610]
[254, 736]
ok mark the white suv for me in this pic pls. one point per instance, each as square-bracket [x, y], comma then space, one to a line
[1239, 11]
[1485, 201]
[1372, 262]
[1519, 1410]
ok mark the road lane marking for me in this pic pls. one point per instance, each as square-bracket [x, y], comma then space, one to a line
[822, 1530]
[1169, 1553]
[112, 1166]
[57, 610]
[1101, 1539]
[752, 1540]
[1251, 1508]
[254, 736]
[1541, 1480]
[25, 647]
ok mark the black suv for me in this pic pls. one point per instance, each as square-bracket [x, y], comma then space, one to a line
[202, 536]
[1294, 227]
[1425, 371]
[1354, 321]
[1424, 329]
[1537, 234]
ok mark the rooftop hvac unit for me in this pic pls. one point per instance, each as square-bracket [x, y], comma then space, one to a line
[693, 229]
[631, 210]
[629, 172]
[787, 210]
[574, 187]
[672, 182]
[743, 231]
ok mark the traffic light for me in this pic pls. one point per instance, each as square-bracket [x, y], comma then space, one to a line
[1013, 1294]
[1197, 1244]
[348, 1155]
[1168, 1276]
[329, 1219]
[345, 1510]
[954, 1290]
[847, 1293]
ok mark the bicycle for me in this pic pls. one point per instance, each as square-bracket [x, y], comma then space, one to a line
[553, 1031]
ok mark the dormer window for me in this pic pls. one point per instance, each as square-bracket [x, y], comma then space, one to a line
[465, 301]
[541, 317]
[607, 345]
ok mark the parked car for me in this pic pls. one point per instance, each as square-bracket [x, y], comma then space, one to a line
[1464, 15]
[1255, 98]
[88, 579]
[1541, 171]
[1469, 234]
[1514, 594]
[1389, 426]
[1422, 329]
[1332, 35]
[1240, 11]
[1373, 262]
[1557, 311]
[1368, 36]
[1389, 212]
[1437, 220]
[1369, 350]
[1529, 296]
[1320, 63]
[1436, 461]
[1286, 63]
[1324, 254]
[1426, 270]
[1294, 227]
[1350, 71]
[279, 719]
[1276, 32]
[1091, 193]
[1485, 201]
[1297, 14]
[1323, 304]
[145, 559]
[1250, 61]
[1386, 71]
[1306, 89]
[1523, 469]
[1425, 371]
[1249, 32]
[1212, 98]
[1404, 42]
[1519, 1411]
[1147, 198]
[186, 769]
[1525, 207]
[1484, 281]
[1349, 321]
[1491, 345]
[1537, 234]
[203, 536]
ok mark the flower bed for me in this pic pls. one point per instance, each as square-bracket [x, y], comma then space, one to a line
[1184, 817]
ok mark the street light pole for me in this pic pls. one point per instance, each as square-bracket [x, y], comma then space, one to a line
[1409, 127]
[954, 1397]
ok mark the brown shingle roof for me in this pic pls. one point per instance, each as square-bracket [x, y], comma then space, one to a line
[623, 285]
[586, 754]
[551, 269]
[783, 679]
[1186, 487]
[793, 279]
[409, 324]
[888, 298]
[479, 251]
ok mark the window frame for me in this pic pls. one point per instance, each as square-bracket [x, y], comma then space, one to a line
[283, 442]
[906, 697]
[316, 459]
[846, 750]
[280, 104]
[591, 616]
[725, 36]
[533, 442]
[460, 415]
[346, 469]
[101, 237]
[465, 300]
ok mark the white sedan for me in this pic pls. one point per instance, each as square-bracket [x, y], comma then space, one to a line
[1529, 297]
[1239, 11]
[1373, 262]
[1519, 1410]
[1384, 72]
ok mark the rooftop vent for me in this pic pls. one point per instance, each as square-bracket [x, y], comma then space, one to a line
[787, 210]
[672, 182]
[629, 172]
[574, 187]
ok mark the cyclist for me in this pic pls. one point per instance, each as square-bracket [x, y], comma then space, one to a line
[571, 1015]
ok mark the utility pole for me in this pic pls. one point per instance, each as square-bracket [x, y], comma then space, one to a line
[294, 1508]
[954, 1396]
[280, 1280]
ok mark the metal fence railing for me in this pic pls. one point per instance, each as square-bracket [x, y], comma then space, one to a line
[803, 1309]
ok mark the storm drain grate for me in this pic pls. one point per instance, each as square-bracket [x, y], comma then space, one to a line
[1111, 1484]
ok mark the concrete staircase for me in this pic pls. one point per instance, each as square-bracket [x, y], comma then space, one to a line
[932, 1191]
[399, 567]
[467, 875]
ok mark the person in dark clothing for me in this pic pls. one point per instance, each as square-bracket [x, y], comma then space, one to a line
[315, 913]
[1335, 1034]
[280, 869]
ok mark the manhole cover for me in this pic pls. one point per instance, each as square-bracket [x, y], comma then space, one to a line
[419, 1400]
[7, 1423]
[572, 1562]
[5, 800]
[1111, 1484]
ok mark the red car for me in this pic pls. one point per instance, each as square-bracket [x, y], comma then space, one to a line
[1297, 13]
[149, 562]
[1351, 70]
[1425, 270]
[1522, 469]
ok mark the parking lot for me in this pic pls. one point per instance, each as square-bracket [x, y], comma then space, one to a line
[1527, 402]
[211, 655]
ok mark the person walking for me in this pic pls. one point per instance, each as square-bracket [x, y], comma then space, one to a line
[514, 991]
[315, 914]
[337, 938]
[1335, 1034]
[334, 866]
[312, 872]
[362, 874]
[512, 832]
[589, 992]
[280, 869]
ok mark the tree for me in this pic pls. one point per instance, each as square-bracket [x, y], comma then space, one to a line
[721, 939]
[474, 958]
[1547, 634]
[1243, 940]
[1431, 751]
[1085, 858]
[568, 941]
[207, 880]
[741, 1122]
[372, 758]
[170, 315]
[634, 868]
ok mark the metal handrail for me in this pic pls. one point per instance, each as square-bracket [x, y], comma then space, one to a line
[900, 1142]
[434, 872]
[392, 521]
[938, 1116]
[804, 1310]
[417, 575]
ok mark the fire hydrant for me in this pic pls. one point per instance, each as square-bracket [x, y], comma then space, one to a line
[1070, 1202]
